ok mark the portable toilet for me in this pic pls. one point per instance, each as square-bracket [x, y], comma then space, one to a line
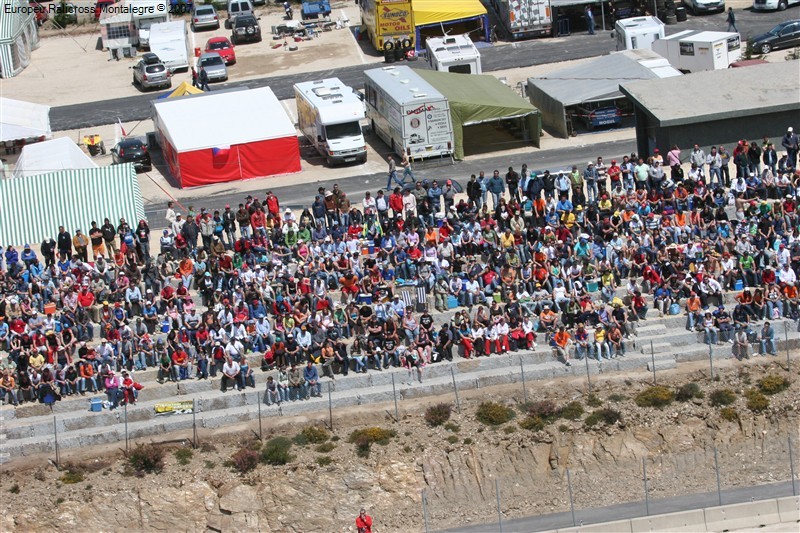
[638, 32]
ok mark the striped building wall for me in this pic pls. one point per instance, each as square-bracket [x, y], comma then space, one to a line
[33, 208]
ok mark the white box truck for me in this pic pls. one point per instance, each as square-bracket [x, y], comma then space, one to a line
[695, 51]
[170, 42]
[638, 32]
[407, 113]
[329, 114]
[453, 54]
[523, 19]
[145, 14]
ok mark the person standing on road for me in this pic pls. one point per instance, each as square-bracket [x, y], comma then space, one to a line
[731, 20]
[590, 19]
[194, 77]
[203, 79]
[393, 175]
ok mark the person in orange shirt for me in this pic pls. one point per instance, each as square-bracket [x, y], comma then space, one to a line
[693, 306]
[186, 270]
[791, 307]
[560, 343]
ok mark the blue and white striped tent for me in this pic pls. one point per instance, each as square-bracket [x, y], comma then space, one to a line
[33, 207]
[19, 36]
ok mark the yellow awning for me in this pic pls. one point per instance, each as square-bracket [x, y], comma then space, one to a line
[436, 11]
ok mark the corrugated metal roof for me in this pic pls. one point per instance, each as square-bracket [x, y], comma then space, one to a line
[38, 205]
[600, 79]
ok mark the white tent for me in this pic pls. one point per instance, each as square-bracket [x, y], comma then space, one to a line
[23, 120]
[51, 156]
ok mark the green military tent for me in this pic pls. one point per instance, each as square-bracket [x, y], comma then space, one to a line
[479, 99]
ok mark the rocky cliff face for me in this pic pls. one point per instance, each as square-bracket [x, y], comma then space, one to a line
[456, 468]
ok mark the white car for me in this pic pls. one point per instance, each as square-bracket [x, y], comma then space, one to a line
[704, 6]
[773, 5]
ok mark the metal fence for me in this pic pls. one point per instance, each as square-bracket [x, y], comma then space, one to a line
[745, 471]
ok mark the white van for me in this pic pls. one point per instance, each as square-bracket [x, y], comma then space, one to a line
[407, 113]
[773, 5]
[237, 8]
[329, 114]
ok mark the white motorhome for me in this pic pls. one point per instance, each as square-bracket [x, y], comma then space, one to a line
[453, 54]
[408, 113]
[638, 32]
[694, 51]
[329, 114]
[147, 13]
[170, 42]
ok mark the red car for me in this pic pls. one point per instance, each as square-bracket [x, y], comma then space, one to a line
[223, 47]
[40, 10]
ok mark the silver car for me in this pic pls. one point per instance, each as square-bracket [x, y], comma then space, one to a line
[151, 73]
[214, 66]
[204, 16]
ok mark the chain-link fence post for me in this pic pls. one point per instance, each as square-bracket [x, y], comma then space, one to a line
[571, 503]
[330, 405]
[788, 359]
[127, 445]
[194, 423]
[791, 466]
[653, 359]
[719, 485]
[522, 373]
[55, 434]
[646, 492]
[588, 379]
[711, 359]
[260, 427]
[455, 388]
[499, 512]
[394, 394]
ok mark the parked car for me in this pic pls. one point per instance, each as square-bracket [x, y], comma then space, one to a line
[132, 150]
[151, 73]
[245, 29]
[214, 66]
[704, 6]
[784, 35]
[238, 8]
[773, 5]
[40, 11]
[204, 16]
[223, 47]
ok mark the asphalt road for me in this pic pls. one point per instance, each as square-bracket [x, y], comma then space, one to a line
[632, 510]
[521, 54]
[300, 196]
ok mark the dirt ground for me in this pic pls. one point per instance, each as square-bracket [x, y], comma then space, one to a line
[454, 464]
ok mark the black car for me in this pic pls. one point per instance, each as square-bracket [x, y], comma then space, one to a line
[784, 35]
[245, 29]
[132, 151]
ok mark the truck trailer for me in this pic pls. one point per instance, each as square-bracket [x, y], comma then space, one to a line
[523, 19]
[329, 114]
[407, 113]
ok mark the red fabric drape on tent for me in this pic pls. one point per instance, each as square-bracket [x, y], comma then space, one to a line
[245, 161]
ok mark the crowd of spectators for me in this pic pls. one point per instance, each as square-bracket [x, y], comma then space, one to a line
[572, 259]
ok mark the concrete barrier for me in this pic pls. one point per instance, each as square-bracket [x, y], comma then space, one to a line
[742, 515]
[620, 526]
[789, 509]
[688, 521]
